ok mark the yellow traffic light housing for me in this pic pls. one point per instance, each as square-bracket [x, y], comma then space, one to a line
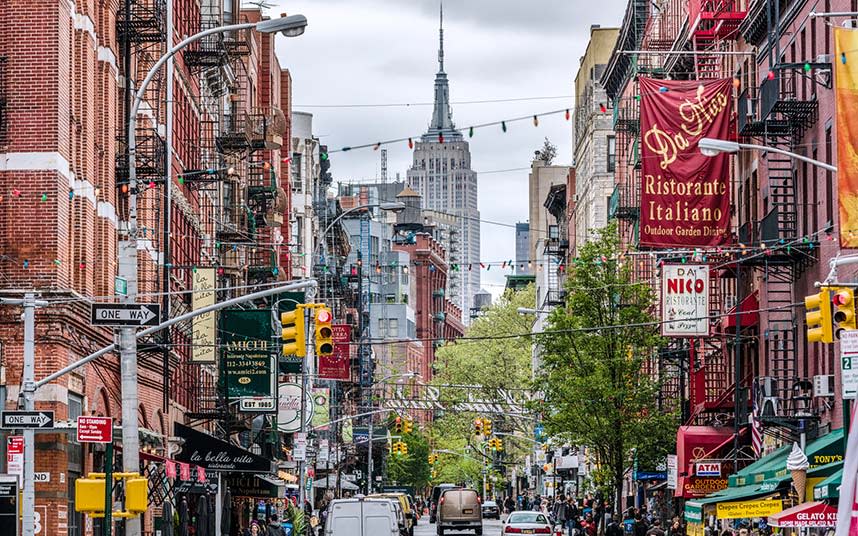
[844, 310]
[136, 495]
[818, 318]
[89, 495]
[408, 426]
[397, 424]
[324, 331]
[294, 333]
[487, 427]
[478, 426]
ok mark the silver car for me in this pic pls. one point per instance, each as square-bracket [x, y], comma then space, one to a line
[526, 522]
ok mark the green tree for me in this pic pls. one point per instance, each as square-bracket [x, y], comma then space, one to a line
[595, 355]
[491, 359]
[411, 469]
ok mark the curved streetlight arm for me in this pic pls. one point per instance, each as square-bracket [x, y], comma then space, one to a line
[796, 156]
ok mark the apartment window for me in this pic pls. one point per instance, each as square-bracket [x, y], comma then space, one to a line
[612, 154]
[382, 328]
[393, 327]
[295, 167]
[807, 205]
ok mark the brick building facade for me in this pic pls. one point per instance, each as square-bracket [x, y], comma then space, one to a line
[63, 203]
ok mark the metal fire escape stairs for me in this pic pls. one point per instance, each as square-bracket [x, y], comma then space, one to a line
[716, 21]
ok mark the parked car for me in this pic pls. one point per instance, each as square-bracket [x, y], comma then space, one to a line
[436, 494]
[458, 510]
[362, 517]
[526, 522]
[410, 516]
[491, 510]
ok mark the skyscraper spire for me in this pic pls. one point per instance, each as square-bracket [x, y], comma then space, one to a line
[441, 40]
[442, 117]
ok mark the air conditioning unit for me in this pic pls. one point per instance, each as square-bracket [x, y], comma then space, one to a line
[850, 23]
[729, 302]
[823, 385]
[765, 388]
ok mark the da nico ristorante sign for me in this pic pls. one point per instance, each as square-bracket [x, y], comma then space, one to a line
[246, 352]
[685, 195]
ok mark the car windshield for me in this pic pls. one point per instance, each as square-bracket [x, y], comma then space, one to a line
[490, 503]
[526, 517]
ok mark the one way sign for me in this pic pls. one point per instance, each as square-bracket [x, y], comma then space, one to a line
[28, 419]
[125, 314]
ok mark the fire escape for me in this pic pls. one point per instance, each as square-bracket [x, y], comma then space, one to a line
[556, 248]
[714, 24]
[777, 113]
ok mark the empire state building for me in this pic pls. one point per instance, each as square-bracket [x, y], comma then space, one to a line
[441, 173]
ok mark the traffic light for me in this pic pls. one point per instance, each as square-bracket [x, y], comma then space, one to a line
[294, 334]
[408, 426]
[844, 310]
[89, 495]
[397, 424]
[431, 459]
[324, 331]
[817, 316]
[478, 426]
[487, 427]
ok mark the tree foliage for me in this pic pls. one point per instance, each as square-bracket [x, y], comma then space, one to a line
[488, 361]
[598, 387]
[413, 468]
[547, 153]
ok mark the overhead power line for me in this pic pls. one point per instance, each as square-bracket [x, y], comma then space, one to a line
[408, 104]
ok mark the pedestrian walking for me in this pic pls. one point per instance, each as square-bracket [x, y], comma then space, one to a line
[656, 529]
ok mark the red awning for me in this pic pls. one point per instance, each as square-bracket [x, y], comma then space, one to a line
[694, 443]
[812, 514]
[748, 313]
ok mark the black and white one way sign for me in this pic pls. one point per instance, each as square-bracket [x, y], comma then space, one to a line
[125, 314]
[28, 419]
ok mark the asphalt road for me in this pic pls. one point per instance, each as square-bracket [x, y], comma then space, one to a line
[491, 527]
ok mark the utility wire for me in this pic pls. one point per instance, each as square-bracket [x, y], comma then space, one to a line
[407, 104]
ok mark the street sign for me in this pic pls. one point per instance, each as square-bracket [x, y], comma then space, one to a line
[41, 477]
[849, 363]
[125, 314]
[15, 455]
[94, 429]
[28, 419]
[257, 403]
[121, 286]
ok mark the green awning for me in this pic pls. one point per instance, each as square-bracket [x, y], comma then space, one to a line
[733, 494]
[820, 452]
[830, 487]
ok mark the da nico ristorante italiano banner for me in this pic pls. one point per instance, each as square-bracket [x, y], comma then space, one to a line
[846, 105]
[685, 196]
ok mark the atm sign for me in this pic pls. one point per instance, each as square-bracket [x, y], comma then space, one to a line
[708, 469]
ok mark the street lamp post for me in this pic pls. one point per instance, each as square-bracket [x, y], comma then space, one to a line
[290, 26]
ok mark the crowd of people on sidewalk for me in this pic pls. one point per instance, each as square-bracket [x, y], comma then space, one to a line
[592, 517]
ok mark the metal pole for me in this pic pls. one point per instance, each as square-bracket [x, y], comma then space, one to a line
[369, 459]
[108, 490]
[29, 391]
[310, 338]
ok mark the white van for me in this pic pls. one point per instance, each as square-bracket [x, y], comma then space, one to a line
[362, 517]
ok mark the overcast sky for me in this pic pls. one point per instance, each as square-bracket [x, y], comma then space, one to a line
[385, 51]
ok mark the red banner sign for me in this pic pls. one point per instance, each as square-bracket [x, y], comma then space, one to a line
[337, 366]
[170, 468]
[184, 471]
[685, 195]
